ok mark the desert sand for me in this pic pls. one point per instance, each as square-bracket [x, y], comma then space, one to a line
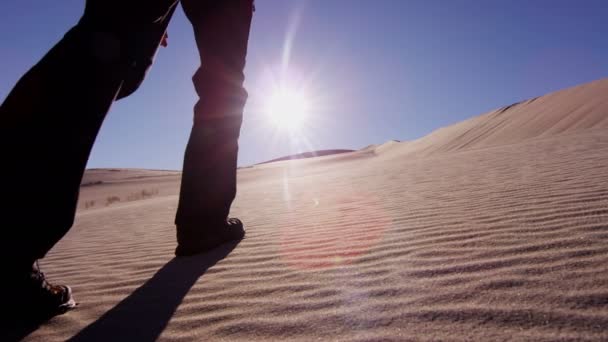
[492, 229]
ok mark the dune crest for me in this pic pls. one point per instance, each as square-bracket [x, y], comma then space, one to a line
[304, 155]
[566, 111]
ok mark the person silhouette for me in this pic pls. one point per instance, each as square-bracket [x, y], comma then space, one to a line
[50, 119]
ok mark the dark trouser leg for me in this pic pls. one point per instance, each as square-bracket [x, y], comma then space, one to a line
[48, 124]
[208, 187]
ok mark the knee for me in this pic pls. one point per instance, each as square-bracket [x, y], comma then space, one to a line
[105, 47]
[124, 37]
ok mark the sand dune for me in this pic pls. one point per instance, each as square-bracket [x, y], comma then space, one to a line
[312, 154]
[571, 110]
[495, 228]
[99, 176]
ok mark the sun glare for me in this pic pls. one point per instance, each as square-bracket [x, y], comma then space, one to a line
[287, 109]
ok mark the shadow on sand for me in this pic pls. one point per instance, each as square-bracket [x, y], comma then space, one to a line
[144, 314]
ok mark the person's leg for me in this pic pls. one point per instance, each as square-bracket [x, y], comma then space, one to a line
[221, 29]
[48, 124]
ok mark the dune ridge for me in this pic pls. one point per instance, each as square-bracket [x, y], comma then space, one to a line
[312, 154]
[487, 230]
[570, 110]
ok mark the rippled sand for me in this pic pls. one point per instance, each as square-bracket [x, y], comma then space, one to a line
[492, 229]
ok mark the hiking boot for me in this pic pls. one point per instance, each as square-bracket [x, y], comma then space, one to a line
[191, 242]
[36, 298]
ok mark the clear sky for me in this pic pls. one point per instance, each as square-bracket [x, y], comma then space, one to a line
[372, 70]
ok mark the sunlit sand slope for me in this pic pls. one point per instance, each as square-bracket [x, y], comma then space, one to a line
[570, 110]
[493, 229]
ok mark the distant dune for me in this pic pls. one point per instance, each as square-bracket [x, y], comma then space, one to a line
[98, 176]
[304, 155]
[492, 229]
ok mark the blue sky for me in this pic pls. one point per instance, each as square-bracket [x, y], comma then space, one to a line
[374, 70]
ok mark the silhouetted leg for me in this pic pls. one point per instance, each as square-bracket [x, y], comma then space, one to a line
[208, 185]
[48, 124]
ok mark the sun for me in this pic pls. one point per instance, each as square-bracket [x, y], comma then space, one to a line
[287, 109]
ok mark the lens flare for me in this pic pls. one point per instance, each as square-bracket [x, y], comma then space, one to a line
[329, 230]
